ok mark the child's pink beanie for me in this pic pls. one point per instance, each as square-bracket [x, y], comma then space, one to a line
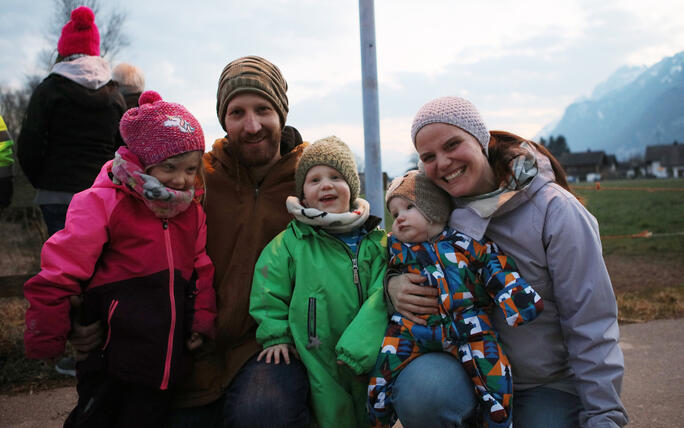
[80, 34]
[158, 130]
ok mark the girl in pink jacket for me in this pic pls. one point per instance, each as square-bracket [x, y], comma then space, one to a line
[134, 248]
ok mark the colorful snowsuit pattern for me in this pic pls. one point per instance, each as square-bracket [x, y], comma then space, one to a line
[472, 277]
[311, 291]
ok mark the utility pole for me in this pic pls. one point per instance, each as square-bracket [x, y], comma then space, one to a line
[371, 114]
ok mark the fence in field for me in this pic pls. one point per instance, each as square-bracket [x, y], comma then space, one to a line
[598, 186]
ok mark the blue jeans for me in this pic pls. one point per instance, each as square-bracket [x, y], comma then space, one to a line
[434, 391]
[543, 407]
[438, 393]
[54, 216]
[260, 395]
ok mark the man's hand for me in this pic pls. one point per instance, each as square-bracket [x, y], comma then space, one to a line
[84, 338]
[410, 299]
[275, 351]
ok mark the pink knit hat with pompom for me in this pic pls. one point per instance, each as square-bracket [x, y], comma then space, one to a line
[158, 130]
[80, 35]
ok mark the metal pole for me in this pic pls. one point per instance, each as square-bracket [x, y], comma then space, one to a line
[371, 124]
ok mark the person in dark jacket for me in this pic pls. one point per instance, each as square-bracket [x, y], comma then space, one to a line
[131, 82]
[70, 126]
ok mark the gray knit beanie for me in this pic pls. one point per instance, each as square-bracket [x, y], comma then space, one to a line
[333, 152]
[453, 111]
[252, 74]
[415, 187]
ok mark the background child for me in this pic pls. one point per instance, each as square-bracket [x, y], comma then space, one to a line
[473, 277]
[133, 245]
[318, 285]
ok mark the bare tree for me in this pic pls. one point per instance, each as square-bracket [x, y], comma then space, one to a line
[13, 103]
[110, 22]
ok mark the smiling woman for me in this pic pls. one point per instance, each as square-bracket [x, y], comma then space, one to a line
[567, 365]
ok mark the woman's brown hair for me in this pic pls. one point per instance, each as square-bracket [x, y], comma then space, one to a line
[505, 146]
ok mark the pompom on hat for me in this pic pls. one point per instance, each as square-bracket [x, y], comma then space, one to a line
[158, 130]
[433, 202]
[256, 75]
[453, 111]
[80, 35]
[333, 152]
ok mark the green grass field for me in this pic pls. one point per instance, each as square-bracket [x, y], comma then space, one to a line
[628, 207]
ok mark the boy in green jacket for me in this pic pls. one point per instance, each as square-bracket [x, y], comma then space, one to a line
[318, 286]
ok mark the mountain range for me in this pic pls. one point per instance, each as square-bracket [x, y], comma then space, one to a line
[634, 108]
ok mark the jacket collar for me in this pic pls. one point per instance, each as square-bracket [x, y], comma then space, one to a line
[225, 152]
[301, 229]
[91, 72]
[467, 219]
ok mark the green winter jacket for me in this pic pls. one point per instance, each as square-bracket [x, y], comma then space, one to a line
[304, 293]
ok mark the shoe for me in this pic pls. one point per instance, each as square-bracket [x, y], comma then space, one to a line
[66, 366]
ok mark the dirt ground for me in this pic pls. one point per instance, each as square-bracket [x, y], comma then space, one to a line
[636, 272]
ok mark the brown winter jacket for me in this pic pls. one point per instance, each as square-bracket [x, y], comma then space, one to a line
[241, 219]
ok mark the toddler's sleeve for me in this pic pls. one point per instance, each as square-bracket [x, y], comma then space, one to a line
[516, 298]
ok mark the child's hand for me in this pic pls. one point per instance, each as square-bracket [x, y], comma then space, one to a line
[275, 351]
[195, 341]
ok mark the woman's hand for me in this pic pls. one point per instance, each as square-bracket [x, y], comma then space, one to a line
[410, 299]
[84, 338]
[275, 351]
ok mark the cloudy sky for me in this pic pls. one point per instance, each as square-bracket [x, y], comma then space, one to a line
[521, 62]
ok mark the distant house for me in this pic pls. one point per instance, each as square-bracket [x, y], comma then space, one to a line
[588, 166]
[665, 160]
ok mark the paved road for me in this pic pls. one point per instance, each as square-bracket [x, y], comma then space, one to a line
[653, 389]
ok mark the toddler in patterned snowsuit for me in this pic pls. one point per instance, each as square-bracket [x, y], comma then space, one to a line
[473, 277]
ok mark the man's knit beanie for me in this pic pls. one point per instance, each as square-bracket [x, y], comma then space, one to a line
[333, 152]
[433, 202]
[453, 111]
[256, 75]
[80, 35]
[158, 130]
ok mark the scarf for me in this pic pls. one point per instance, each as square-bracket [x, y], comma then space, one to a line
[524, 170]
[164, 202]
[330, 222]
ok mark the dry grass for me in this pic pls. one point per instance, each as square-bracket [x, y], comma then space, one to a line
[648, 304]
[18, 374]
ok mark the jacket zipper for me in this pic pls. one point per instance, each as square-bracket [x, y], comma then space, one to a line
[112, 307]
[172, 299]
[355, 265]
[314, 341]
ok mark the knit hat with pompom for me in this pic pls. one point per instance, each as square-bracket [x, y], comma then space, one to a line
[158, 130]
[80, 35]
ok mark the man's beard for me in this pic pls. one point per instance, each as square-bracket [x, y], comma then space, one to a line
[258, 156]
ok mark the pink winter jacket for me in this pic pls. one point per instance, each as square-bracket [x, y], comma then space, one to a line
[148, 280]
